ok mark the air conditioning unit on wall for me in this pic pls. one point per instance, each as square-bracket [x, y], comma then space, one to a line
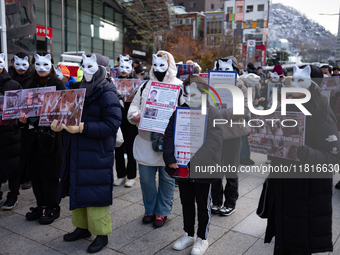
[258, 30]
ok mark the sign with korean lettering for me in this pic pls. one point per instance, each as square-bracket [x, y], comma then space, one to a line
[41, 31]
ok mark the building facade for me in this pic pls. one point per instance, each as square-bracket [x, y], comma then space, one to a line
[214, 27]
[199, 5]
[189, 24]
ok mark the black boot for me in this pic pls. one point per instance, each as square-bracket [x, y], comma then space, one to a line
[49, 215]
[34, 213]
[78, 233]
[98, 244]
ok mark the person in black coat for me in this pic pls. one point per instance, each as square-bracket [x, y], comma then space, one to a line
[195, 189]
[299, 211]
[9, 145]
[87, 169]
[20, 71]
[44, 158]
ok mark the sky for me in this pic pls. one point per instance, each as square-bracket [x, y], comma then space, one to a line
[312, 9]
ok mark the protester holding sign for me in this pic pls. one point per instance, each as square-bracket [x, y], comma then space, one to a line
[86, 173]
[129, 133]
[231, 146]
[10, 136]
[44, 158]
[295, 207]
[195, 190]
[158, 204]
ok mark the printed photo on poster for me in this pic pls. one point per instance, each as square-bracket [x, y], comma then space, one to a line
[189, 133]
[1, 105]
[184, 71]
[66, 106]
[159, 106]
[222, 78]
[274, 139]
[114, 72]
[128, 87]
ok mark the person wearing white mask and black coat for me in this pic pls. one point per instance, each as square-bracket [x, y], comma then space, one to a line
[10, 136]
[44, 159]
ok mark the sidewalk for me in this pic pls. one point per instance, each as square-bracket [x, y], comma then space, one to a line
[240, 233]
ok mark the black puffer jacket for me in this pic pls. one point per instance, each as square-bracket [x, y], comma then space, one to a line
[300, 210]
[210, 153]
[9, 135]
[23, 79]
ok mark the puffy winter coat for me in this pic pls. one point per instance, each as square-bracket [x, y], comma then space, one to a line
[142, 147]
[300, 210]
[87, 169]
[9, 135]
[210, 153]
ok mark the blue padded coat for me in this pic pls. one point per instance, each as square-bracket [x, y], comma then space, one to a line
[87, 169]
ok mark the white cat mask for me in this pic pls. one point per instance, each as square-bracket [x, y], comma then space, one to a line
[21, 63]
[90, 66]
[193, 95]
[302, 77]
[225, 65]
[2, 60]
[252, 79]
[274, 76]
[42, 63]
[59, 73]
[160, 64]
[125, 66]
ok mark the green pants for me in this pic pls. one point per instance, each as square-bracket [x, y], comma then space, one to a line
[96, 219]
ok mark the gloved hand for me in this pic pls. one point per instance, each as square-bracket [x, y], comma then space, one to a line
[74, 129]
[54, 126]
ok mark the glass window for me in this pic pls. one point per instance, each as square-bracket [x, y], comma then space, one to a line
[249, 23]
[258, 38]
[229, 25]
[181, 4]
[192, 4]
[250, 8]
[239, 9]
[17, 20]
[239, 24]
[229, 9]
[212, 6]
[260, 23]
[260, 8]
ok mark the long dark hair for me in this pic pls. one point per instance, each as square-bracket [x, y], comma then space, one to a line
[35, 78]
[317, 105]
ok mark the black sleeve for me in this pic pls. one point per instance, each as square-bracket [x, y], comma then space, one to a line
[168, 144]
[59, 85]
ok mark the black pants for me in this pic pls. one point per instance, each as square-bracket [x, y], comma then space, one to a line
[289, 252]
[201, 192]
[45, 191]
[129, 133]
[231, 150]
[13, 185]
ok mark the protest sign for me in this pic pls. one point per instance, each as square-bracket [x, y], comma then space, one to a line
[205, 76]
[223, 78]
[66, 106]
[114, 72]
[272, 136]
[128, 87]
[159, 106]
[184, 71]
[189, 133]
[28, 101]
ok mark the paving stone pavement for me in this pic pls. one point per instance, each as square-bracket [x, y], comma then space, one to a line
[240, 233]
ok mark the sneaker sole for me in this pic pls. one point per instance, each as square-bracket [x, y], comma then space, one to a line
[5, 207]
[227, 214]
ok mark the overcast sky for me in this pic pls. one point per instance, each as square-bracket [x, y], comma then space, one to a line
[312, 9]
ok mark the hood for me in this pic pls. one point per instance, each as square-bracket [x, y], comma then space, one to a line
[170, 73]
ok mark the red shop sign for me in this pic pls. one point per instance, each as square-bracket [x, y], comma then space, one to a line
[41, 31]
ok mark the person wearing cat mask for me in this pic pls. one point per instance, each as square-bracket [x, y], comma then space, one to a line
[86, 173]
[231, 149]
[129, 133]
[299, 211]
[158, 204]
[10, 136]
[195, 190]
[44, 149]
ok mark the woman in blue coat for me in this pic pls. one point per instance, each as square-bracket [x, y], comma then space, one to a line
[86, 173]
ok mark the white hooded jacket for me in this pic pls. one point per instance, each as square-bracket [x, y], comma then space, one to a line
[142, 146]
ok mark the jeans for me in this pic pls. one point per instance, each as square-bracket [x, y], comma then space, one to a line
[245, 148]
[156, 202]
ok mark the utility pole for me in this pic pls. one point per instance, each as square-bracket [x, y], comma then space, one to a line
[3, 32]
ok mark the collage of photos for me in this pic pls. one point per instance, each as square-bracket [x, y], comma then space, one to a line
[184, 71]
[128, 87]
[28, 101]
[277, 135]
[66, 106]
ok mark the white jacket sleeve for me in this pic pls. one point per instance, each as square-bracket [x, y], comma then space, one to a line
[135, 106]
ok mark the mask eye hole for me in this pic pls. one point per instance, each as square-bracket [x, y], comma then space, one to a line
[154, 65]
[301, 80]
[162, 64]
[83, 66]
[37, 64]
[192, 95]
[89, 66]
[292, 79]
[227, 69]
[220, 69]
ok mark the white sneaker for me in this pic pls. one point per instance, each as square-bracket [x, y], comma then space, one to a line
[183, 242]
[200, 247]
[119, 181]
[129, 183]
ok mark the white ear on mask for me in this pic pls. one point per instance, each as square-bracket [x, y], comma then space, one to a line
[2, 60]
[154, 57]
[16, 58]
[59, 73]
[165, 58]
[295, 68]
[2, 56]
[130, 62]
[215, 67]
